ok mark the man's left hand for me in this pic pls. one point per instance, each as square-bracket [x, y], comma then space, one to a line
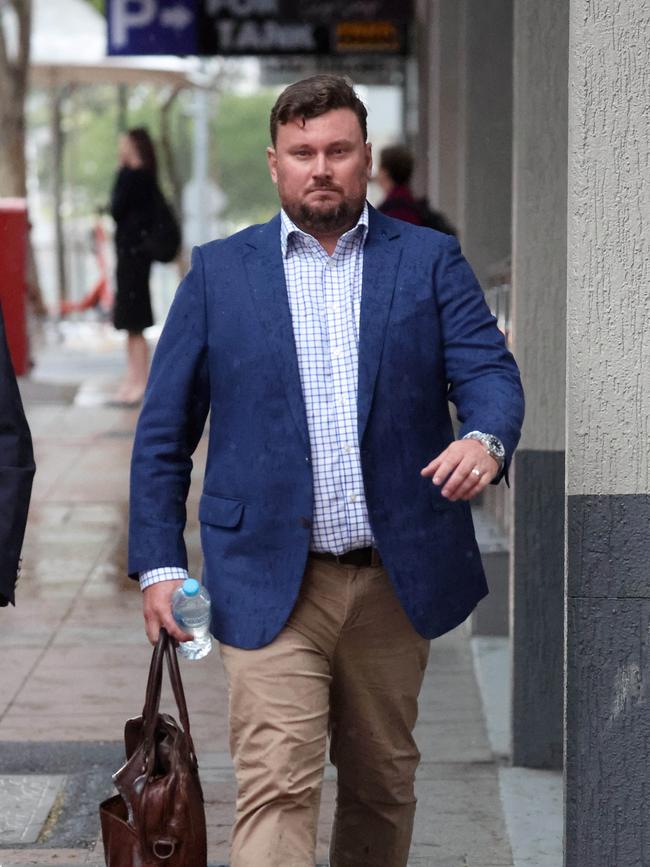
[464, 468]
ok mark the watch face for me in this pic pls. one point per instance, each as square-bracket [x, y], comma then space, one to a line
[495, 446]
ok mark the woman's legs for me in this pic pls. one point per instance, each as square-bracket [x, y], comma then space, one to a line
[132, 312]
[132, 387]
[137, 366]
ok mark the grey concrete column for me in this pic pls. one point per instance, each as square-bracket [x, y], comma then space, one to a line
[441, 67]
[423, 145]
[608, 444]
[485, 175]
[540, 72]
[465, 75]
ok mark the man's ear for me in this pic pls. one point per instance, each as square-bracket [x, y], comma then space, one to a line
[369, 160]
[272, 160]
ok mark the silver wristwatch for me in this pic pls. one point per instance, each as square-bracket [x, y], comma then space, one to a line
[493, 445]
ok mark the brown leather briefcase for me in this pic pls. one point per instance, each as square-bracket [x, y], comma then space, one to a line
[157, 818]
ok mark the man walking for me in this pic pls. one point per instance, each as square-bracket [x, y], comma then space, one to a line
[335, 527]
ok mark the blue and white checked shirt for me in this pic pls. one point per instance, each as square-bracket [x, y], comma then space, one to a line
[325, 300]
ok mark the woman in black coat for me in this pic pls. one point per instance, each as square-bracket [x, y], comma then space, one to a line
[132, 207]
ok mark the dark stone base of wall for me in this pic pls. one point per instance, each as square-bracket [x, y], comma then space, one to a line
[608, 681]
[537, 608]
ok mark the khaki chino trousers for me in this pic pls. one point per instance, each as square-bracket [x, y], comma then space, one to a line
[348, 664]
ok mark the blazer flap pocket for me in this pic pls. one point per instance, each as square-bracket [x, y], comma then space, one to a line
[220, 511]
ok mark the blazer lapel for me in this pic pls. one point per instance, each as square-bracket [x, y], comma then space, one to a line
[381, 260]
[268, 287]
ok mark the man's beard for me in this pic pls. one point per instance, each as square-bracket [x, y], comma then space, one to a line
[338, 218]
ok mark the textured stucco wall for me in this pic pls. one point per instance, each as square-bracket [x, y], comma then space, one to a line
[608, 445]
[539, 215]
[608, 428]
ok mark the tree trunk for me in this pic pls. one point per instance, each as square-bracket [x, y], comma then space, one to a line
[12, 151]
[14, 69]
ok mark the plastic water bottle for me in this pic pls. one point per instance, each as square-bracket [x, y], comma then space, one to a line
[191, 610]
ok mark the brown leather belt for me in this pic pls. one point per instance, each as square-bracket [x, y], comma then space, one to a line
[357, 557]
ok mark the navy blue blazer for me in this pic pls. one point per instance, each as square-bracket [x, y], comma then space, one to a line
[16, 473]
[426, 336]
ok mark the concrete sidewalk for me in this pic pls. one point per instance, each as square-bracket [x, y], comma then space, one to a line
[75, 660]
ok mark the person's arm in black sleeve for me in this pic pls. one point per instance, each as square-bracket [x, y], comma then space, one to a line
[16, 474]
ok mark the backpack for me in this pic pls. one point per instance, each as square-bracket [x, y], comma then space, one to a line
[163, 240]
[421, 210]
[433, 219]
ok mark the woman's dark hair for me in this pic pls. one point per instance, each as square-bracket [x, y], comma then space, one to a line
[144, 146]
[314, 96]
[397, 162]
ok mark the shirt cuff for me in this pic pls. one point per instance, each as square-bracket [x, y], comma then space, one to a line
[164, 573]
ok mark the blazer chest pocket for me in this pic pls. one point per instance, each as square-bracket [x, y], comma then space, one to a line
[220, 511]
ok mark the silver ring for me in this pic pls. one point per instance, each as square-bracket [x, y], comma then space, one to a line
[476, 472]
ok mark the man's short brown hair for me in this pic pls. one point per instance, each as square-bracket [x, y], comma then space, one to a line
[314, 96]
[397, 162]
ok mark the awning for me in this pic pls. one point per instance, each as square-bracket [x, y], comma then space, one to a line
[68, 46]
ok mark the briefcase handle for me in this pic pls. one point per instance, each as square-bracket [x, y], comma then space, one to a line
[165, 647]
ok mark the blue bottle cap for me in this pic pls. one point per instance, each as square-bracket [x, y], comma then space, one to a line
[191, 587]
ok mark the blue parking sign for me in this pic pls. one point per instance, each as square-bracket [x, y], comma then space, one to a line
[151, 26]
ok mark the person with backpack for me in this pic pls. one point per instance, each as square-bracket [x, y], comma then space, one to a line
[133, 202]
[394, 176]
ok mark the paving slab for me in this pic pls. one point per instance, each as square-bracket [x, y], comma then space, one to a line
[25, 804]
[533, 805]
[460, 819]
[17, 664]
[493, 666]
[49, 857]
[53, 461]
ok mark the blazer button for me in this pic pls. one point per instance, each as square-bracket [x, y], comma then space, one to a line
[306, 523]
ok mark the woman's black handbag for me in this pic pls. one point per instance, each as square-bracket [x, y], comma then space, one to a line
[163, 240]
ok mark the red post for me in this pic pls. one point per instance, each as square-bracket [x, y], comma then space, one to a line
[13, 268]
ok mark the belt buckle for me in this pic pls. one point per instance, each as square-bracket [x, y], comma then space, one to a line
[342, 559]
[365, 557]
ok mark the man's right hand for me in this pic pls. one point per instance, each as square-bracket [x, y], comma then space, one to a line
[157, 606]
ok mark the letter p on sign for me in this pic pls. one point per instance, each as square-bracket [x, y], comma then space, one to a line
[127, 14]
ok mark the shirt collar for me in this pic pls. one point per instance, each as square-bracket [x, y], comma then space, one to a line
[289, 230]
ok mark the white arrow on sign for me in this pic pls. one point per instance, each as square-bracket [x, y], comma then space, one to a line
[178, 17]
